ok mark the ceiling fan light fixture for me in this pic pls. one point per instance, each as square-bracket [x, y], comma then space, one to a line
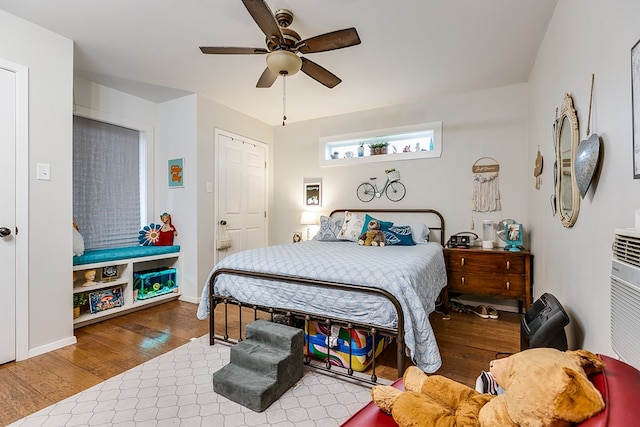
[283, 62]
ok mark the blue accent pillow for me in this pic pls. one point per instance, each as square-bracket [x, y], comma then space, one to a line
[384, 225]
[329, 229]
[399, 235]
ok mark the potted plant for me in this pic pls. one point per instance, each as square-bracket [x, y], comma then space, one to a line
[78, 301]
[383, 147]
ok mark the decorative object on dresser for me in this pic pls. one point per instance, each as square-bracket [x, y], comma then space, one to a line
[489, 272]
[513, 236]
[487, 234]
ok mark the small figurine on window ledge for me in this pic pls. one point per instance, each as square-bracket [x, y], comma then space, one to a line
[167, 231]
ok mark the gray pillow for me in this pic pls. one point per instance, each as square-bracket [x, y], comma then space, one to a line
[329, 229]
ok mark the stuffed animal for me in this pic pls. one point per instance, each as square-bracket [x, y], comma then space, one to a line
[543, 387]
[373, 236]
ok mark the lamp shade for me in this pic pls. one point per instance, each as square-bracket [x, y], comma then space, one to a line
[308, 218]
[283, 62]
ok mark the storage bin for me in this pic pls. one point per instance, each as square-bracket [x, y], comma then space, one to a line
[151, 284]
[361, 344]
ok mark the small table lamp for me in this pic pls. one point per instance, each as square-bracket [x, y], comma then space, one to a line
[308, 218]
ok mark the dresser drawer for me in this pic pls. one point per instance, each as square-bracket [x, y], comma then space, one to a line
[506, 286]
[489, 272]
[477, 261]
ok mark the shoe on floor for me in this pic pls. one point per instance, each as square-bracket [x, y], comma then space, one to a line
[492, 312]
[481, 311]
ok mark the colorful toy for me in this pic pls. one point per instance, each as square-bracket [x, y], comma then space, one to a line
[167, 231]
[373, 236]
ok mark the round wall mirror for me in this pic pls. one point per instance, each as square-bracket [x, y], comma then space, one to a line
[567, 140]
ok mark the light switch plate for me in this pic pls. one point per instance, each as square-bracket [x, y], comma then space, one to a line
[43, 172]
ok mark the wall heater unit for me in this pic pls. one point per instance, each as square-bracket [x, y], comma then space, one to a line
[625, 296]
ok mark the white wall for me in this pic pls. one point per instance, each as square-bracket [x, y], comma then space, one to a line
[584, 37]
[49, 58]
[177, 138]
[485, 123]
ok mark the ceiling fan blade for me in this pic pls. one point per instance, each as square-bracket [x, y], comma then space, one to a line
[319, 73]
[233, 50]
[267, 78]
[329, 41]
[260, 12]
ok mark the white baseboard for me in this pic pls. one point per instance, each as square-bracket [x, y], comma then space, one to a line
[189, 299]
[52, 346]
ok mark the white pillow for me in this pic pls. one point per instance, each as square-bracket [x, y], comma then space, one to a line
[419, 233]
[78, 243]
[351, 227]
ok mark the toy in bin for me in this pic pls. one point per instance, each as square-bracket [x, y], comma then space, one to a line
[361, 344]
[151, 284]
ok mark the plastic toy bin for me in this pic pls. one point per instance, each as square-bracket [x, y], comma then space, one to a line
[151, 284]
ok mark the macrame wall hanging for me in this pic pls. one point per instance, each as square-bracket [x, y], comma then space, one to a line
[486, 188]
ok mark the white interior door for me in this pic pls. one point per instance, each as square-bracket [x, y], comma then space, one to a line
[241, 192]
[7, 216]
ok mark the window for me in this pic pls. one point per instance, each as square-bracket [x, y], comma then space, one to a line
[409, 142]
[107, 183]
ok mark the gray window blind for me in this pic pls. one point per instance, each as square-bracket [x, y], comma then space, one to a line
[106, 183]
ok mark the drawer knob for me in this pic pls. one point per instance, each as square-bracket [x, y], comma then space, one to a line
[462, 262]
[508, 265]
[462, 280]
[508, 285]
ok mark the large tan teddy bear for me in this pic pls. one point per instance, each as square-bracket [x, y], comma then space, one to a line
[543, 387]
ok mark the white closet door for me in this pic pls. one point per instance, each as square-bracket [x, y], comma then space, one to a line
[241, 193]
[7, 216]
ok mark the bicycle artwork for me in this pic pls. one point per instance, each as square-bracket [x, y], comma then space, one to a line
[393, 188]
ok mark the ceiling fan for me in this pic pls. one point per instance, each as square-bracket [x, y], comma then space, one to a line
[284, 45]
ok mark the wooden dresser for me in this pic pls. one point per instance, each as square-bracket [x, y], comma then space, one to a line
[489, 272]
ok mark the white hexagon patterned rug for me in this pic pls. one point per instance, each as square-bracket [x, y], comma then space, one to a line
[176, 389]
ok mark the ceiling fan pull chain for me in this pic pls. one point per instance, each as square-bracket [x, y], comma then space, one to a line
[284, 98]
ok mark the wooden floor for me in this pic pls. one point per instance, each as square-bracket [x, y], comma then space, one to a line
[467, 344]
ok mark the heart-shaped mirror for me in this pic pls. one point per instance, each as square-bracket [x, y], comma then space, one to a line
[586, 162]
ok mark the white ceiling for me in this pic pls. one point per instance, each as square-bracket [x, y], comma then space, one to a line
[411, 49]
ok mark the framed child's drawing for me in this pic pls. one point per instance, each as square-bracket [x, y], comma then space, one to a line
[313, 193]
[175, 172]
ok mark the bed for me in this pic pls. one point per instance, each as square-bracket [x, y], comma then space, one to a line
[386, 291]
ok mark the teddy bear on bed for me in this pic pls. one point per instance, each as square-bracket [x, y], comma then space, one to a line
[543, 387]
[373, 236]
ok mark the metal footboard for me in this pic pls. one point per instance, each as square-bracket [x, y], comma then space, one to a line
[292, 317]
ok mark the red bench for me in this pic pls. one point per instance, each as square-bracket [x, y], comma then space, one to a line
[619, 385]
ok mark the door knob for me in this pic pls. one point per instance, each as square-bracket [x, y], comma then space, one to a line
[4, 232]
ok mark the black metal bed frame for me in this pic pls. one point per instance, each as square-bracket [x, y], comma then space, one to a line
[292, 317]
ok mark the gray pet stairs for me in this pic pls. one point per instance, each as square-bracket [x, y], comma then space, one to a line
[263, 366]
